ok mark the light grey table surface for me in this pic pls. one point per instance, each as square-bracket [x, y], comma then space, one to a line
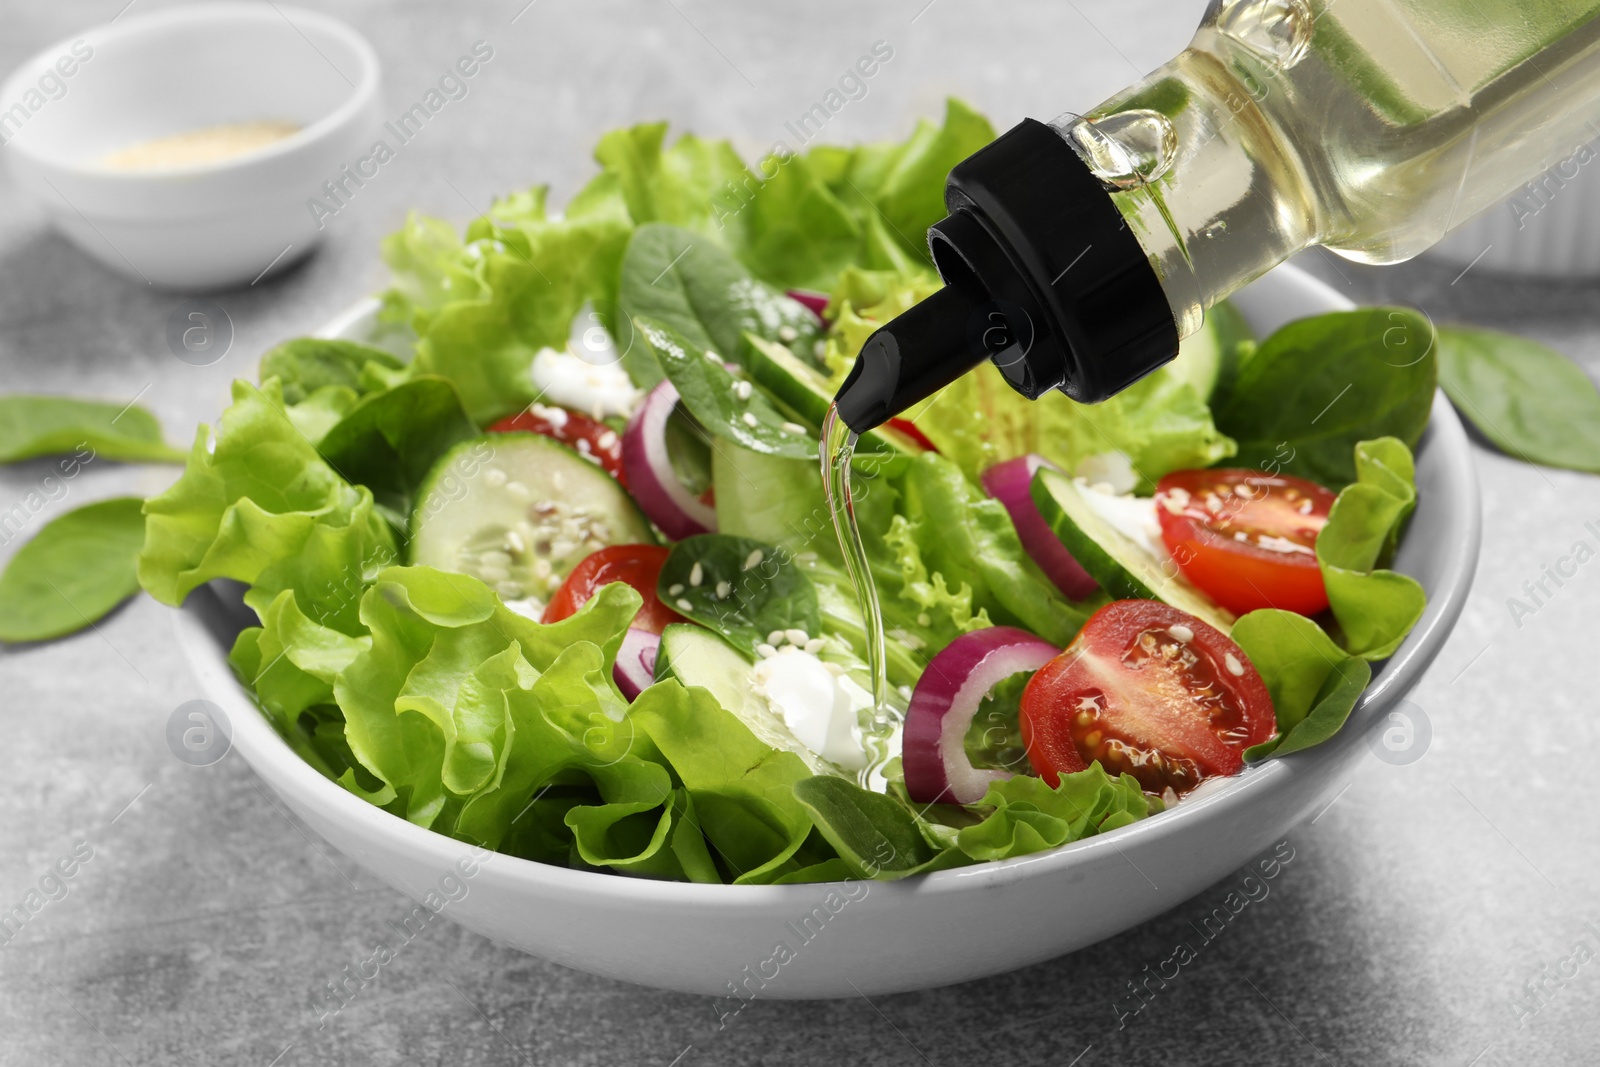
[1418, 907]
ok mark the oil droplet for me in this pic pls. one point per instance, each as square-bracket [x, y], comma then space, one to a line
[1126, 149]
[1278, 30]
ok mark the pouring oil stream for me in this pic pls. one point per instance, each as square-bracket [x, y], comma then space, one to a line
[838, 448]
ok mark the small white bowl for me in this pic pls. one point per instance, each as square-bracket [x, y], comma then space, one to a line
[849, 938]
[204, 225]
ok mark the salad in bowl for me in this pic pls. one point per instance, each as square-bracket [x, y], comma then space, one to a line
[542, 563]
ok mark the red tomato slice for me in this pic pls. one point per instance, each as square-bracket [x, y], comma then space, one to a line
[1246, 538]
[638, 565]
[591, 437]
[1150, 690]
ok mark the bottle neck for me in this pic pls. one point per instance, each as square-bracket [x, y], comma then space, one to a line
[1213, 198]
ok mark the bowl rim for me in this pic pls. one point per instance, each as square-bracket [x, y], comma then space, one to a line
[271, 757]
[221, 13]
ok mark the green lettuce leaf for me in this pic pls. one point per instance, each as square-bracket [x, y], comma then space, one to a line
[898, 187]
[1030, 816]
[1375, 608]
[426, 705]
[967, 539]
[306, 365]
[257, 504]
[743, 790]
[533, 279]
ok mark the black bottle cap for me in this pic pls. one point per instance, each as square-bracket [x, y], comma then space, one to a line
[1041, 276]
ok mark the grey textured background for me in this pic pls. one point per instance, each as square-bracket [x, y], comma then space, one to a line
[206, 924]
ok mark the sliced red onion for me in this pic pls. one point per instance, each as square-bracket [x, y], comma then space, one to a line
[635, 668]
[651, 479]
[1008, 483]
[817, 302]
[947, 696]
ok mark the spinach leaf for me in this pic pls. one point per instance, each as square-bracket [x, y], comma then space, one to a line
[1313, 682]
[728, 407]
[1303, 399]
[1531, 401]
[742, 589]
[692, 284]
[55, 425]
[75, 570]
[389, 441]
[1375, 608]
[874, 833]
[307, 364]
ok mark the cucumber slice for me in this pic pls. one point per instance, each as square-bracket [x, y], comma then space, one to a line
[1122, 565]
[694, 655]
[518, 511]
[802, 389]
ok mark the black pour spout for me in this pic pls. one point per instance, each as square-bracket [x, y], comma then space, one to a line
[1042, 278]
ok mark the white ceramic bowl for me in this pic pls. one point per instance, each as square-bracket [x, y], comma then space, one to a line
[883, 937]
[205, 225]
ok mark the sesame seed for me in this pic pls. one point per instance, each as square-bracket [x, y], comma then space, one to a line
[697, 574]
[749, 419]
[775, 637]
[743, 390]
[797, 637]
[684, 605]
[1180, 632]
[794, 427]
[675, 589]
[1231, 661]
[766, 651]
[754, 558]
[815, 645]
[723, 589]
[787, 333]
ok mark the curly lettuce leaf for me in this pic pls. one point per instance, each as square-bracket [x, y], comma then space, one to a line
[427, 704]
[742, 789]
[968, 539]
[897, 188]
[533, 280]
[258, 504]
[1026, 815]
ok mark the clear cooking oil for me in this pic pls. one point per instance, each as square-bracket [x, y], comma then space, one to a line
[1372, 127]
[882, 720]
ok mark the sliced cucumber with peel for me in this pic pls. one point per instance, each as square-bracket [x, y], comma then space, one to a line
[1124, 568]
[694, 655]
[802, 389]
[518, 511]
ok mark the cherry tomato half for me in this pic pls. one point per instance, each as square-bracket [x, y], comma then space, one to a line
[591, 437]
[1150, 690]
[638, 565]
[1248, 539]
